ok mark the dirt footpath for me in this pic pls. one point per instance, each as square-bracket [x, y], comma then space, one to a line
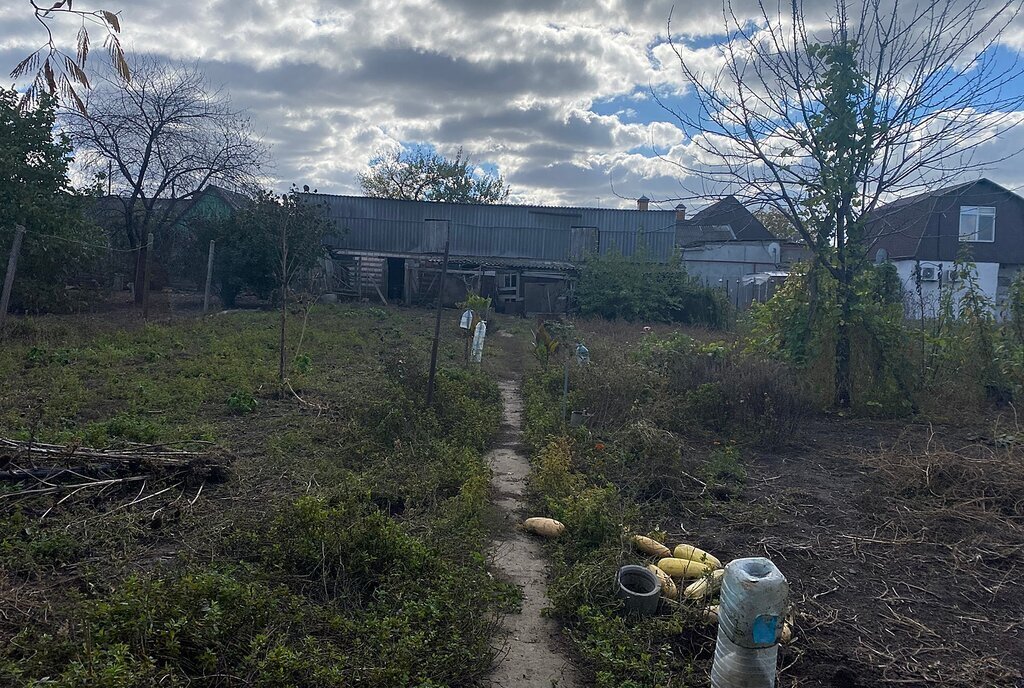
[530, 647]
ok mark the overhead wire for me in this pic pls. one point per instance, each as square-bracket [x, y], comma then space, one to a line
[101, 247]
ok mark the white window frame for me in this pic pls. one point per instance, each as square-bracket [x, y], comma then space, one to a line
[975, 213]
[512, 277]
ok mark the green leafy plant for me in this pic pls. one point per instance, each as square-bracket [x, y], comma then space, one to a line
[302, 363]
[544, 345]
[242, 401]
[476, 303]
[631, 288]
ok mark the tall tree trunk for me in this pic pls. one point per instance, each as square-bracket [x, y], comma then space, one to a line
[843, 396]
[845, 296]
[140, 273]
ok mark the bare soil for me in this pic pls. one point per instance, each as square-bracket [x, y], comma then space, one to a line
[529, 650]
[903, 546]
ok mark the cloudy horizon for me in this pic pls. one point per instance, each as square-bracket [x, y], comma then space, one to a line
[554, 96]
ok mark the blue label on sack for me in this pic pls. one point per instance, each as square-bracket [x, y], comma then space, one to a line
[765, 630]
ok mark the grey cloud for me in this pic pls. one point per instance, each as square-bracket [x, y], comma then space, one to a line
[328, 81]
[435, 74]
[524, 126]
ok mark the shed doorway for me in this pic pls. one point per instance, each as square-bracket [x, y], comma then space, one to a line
[396, 279]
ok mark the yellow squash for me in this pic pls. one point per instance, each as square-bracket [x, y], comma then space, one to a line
[651, 546]
[707, 585]
[696, 554]
[683, 568]
[668, 586]
[546, 527]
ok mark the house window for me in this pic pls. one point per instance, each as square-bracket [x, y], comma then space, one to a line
[977, 223]
[510, 280]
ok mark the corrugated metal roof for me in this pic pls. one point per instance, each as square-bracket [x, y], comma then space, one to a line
[495, 231]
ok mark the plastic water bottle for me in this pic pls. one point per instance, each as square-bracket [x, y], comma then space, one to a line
[750, 619]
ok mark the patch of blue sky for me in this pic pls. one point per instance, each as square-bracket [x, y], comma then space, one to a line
[487, 168]
[637, 107]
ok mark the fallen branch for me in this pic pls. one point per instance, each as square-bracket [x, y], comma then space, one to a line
[157, 455]
[76, 486]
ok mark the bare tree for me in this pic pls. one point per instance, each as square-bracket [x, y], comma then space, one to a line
[60, 73]
[164, 136]
[827, 116]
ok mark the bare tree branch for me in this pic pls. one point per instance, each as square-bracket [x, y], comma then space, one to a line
[166, 134]
[59, 73]
[826, 117]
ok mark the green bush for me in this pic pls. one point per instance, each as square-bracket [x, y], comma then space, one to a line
[122, 427]
[615, 287]
[242, 401]
[553, 478]
[797, 327]
[60, 246]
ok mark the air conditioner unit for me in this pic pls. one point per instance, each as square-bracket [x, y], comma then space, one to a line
[928, 273]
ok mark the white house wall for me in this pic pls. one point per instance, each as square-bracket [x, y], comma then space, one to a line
[986, 275]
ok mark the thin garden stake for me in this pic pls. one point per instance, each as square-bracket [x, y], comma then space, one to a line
[565, 392]
[284, 293]
[437, 320]
[12, 265]
[209, 278]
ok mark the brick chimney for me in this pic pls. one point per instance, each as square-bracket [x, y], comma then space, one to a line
[680, 212]
[642, 203]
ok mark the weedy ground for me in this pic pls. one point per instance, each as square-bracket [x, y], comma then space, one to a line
[339, 544]
[901, 539]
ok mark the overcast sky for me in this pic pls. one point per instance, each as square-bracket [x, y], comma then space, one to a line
[554, 95]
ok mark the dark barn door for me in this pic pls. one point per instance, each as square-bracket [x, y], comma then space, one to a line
[396, 279]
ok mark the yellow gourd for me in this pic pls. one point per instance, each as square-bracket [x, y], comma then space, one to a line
[696, 554]
[668, 586]
[546, 527]
[650, 546]
[682, 568]
[707, 585]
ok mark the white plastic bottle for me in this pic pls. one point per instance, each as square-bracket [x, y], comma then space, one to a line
[750, 619]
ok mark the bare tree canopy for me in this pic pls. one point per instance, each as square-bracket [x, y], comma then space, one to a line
[419, 174]
[165, 135]
[58, 73]
[827, 116]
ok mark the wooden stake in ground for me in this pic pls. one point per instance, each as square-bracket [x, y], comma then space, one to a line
[565, 392]
[12, 265]
[437, 320]
[209, 278]
[284, 292]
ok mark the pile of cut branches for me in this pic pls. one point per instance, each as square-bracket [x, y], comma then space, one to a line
[34, 468]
